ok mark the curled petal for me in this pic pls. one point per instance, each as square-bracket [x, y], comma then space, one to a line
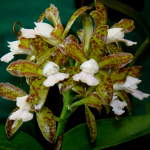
[44, 29]
[7, 57]
[130, 83]
[87, 78]
[140, 95]
[128, 42]
[28, 33]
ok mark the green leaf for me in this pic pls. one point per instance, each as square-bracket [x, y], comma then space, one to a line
[115, 60]
[70, 48]
[21, 141]
[126, 24]
[97, 42]
[105, 86]
[39, 46]
[73, 18]
[47, 124]
[38, 93]
[10, 92]
[110, 132]
[12, 125]
[90, 119]
[88, 31]
[22, 68]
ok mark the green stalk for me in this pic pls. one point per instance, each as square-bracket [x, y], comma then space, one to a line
[76, 104]
[64, 114]
[141, 49]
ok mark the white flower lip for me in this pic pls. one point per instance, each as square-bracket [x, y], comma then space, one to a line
[116, 35]
[51, 71]
[89, 68]
[23, 112]
[117, 105]
[130, 86]
[14, 50]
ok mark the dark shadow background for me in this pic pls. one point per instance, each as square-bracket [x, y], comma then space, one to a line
[27, 12]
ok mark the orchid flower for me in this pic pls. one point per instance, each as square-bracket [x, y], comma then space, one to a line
[15, 50]
[23, 112]
[130, 86]
[51, 71]
[116, 35]
[117, 105]
[89, 68]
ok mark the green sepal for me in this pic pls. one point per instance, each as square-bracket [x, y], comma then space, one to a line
[45, 56]
[24, 43]
[90, 119]
[59, 58]
[115, 60]
[73, 18]
[97, 17]
[47, 123]
[10, 92]
[112, 48]
[12, 125]
[69, 83]
[38, 94]
[39, 46]
[42, 16]
[135, 71]
[23, 68]
[105, 86]
[88, 31]
[70, 48]
[97, 42]
[80, 88]
[124, 97]
[102, 10]
[93, 100]
[52, 14]
[126, 24]
[119, 76]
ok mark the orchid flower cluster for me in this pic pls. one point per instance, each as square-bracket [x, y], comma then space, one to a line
[93, 66]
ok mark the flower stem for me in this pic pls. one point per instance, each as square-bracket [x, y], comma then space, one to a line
[64, 114]
[75, 104]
